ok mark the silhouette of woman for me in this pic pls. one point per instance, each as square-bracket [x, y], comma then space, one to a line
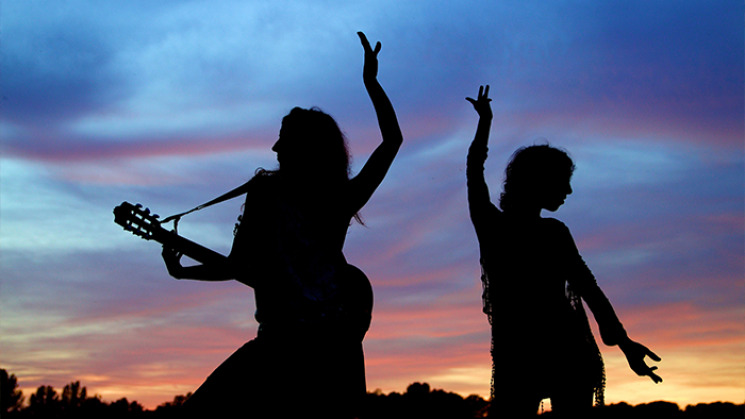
[313, 309]
[534, 282]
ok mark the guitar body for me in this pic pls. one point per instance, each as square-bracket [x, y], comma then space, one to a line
[357, 300]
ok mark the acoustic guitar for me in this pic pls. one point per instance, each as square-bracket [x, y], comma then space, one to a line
[356, 299]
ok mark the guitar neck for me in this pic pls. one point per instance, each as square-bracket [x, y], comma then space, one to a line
[189, 248]
[140, 222]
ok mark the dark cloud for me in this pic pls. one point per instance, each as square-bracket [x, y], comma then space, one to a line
[55, 71]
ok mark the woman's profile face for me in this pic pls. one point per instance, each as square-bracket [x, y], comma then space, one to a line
[287, 147]
[279, 147]
[555, 191]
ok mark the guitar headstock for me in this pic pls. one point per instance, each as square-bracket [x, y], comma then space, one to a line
[137, 220]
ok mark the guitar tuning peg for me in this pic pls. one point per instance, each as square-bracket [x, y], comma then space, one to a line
[138, 206]
[156, 216]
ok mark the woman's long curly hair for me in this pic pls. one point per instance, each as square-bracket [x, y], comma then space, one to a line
[529, 168]
[314, 154]
[320, 145]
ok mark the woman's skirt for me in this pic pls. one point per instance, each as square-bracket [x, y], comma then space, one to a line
[285, 375]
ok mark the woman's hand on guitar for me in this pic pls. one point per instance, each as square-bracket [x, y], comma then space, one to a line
[172, 258]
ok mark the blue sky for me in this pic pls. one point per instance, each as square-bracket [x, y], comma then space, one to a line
[171, 104]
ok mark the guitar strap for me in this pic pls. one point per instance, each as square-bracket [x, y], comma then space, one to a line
[224, 197]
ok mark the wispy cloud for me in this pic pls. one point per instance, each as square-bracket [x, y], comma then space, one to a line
[171, 104]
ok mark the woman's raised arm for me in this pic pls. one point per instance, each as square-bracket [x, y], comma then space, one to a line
[479, 203]
[373, 172]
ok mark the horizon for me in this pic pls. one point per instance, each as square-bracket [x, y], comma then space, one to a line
[173, 104]
[377, 392]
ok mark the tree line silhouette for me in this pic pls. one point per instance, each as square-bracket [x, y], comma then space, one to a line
[418, 401]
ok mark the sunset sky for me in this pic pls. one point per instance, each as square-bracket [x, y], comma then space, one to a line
[172, 103]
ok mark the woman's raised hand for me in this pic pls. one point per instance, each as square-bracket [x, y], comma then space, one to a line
[481, 103]
[370, 70]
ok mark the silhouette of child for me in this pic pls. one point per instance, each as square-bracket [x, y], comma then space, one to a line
[534, 282]
[312, 307]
